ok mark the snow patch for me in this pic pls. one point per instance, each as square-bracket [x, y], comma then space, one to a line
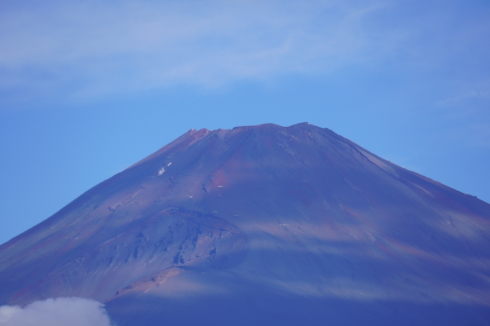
[170, 163]
[161, 171]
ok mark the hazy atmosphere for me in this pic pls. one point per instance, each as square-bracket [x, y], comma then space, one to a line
[88, 88]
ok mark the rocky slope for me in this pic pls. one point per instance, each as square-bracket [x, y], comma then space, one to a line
[262, 225]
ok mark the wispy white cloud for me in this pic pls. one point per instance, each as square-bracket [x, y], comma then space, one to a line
[108, 46]
[103, 47]
[56, 312]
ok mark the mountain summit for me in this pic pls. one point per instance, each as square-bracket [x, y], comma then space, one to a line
[262, 225]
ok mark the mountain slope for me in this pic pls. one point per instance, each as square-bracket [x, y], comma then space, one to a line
[268, 224]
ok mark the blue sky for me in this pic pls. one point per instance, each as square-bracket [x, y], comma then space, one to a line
[89, 87]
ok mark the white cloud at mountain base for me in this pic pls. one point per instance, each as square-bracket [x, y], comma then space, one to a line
[56, 312]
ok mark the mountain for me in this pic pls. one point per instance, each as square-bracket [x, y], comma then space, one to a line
[262, 225]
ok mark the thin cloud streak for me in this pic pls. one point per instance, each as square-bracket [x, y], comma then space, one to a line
[114, 47]
[88, 49]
